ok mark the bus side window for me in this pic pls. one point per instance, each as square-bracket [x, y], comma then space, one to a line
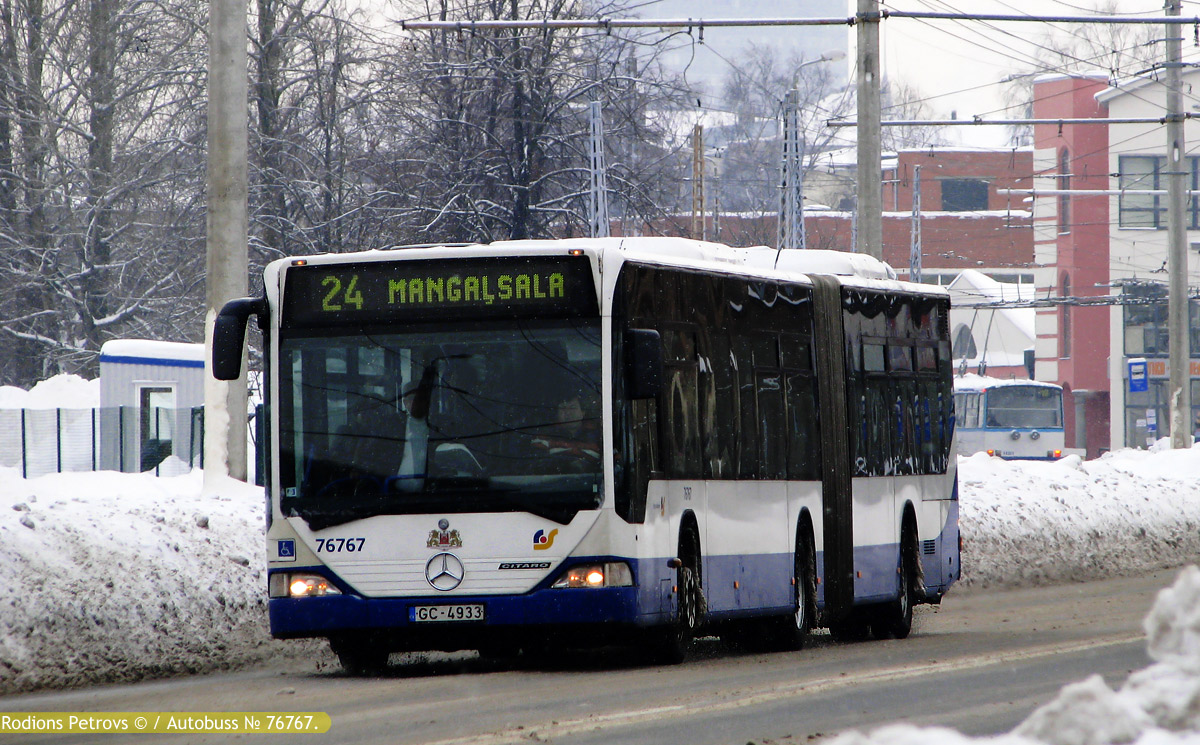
[972, 414]
[681, 412]
[747, 421]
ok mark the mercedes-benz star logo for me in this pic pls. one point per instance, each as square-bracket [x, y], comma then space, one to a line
[444, 572]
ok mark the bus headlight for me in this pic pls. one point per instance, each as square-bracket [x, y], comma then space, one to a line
[299, 585]
[608, 574]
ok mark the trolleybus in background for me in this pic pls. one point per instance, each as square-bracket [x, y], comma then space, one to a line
[1012, 419]
[550, 444]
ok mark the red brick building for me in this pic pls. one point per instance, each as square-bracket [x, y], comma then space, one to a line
[1072, 244]
[1058, 241]
[966, 220]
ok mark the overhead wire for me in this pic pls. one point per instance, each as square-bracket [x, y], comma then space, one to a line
[987, 42]
[1020, 57]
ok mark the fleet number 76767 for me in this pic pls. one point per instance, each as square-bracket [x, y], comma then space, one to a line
[336, 545]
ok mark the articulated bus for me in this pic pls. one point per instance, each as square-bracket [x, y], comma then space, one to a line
[544, 445]
[1010, 419]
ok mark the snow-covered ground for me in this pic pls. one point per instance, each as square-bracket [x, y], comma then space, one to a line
[108, 577]
[1158, 705]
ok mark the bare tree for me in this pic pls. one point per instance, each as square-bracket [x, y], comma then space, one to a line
[903, 101]
[314, 83]
[489, 129]
[103, 127]
[753, 94]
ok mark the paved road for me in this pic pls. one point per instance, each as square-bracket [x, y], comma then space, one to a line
[979, 663]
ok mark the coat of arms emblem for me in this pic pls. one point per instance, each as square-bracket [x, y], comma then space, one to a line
[443, 537]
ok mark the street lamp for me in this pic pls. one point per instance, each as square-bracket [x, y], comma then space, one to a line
[831, 56]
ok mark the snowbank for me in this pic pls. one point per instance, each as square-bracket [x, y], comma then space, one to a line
[1158, 705]
[59, 392]
[1129, 512]
[114, 577]
[111, 577]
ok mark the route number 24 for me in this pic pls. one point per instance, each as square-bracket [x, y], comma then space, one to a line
[336, 299]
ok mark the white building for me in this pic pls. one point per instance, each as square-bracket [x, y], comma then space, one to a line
[1138, 254]
[151, 393]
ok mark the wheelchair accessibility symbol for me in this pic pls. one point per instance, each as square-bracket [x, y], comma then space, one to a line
[286, 549]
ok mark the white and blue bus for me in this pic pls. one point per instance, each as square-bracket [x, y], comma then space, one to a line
[1011, 419]
[546, 444]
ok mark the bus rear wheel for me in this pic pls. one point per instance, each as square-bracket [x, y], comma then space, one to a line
[791, 633]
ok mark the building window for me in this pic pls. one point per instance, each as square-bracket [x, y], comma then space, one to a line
[1064, 200]
[1148, 173]
[964, 195]
[1146, 323]
[1065, 334]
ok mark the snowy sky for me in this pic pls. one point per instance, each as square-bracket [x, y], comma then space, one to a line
[956, 66]
[112, 577]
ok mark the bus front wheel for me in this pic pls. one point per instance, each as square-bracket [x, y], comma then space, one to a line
[672, 644]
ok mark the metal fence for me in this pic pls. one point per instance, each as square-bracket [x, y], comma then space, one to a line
[125, 438]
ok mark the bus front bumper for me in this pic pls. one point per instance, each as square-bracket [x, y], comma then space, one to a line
[538, 612]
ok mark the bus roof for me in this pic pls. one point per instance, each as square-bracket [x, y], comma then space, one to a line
[854, 269]
[973, 382]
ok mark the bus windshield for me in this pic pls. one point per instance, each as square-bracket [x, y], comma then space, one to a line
[1024, 406]
[441, 418]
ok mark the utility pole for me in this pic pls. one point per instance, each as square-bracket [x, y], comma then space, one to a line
[698, 222]
[718, 164]
[1178, 393]
[631, 225]
[791, 182]
[598, 197]
[225, 402]
[914, 257]
[791, 195]
[870, 156]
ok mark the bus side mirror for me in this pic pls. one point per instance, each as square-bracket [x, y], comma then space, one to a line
[229, 335]
[644, 363]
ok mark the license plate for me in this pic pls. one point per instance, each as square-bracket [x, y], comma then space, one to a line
[427, 613]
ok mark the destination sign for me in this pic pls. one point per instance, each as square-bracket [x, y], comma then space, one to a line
[388, 291]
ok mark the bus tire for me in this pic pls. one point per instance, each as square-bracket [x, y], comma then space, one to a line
[361, 658]
[791, 633]
[670, 646]
[896, 619]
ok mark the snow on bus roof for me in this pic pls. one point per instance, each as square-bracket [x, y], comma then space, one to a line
[973, 382]
[807, 261]
[841, 263]
[669, 249]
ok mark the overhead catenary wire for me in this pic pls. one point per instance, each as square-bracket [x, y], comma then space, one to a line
[701, 23]
[1011, 52]
[979, 121]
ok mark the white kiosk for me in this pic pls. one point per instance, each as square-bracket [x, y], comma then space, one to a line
[152, 403]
